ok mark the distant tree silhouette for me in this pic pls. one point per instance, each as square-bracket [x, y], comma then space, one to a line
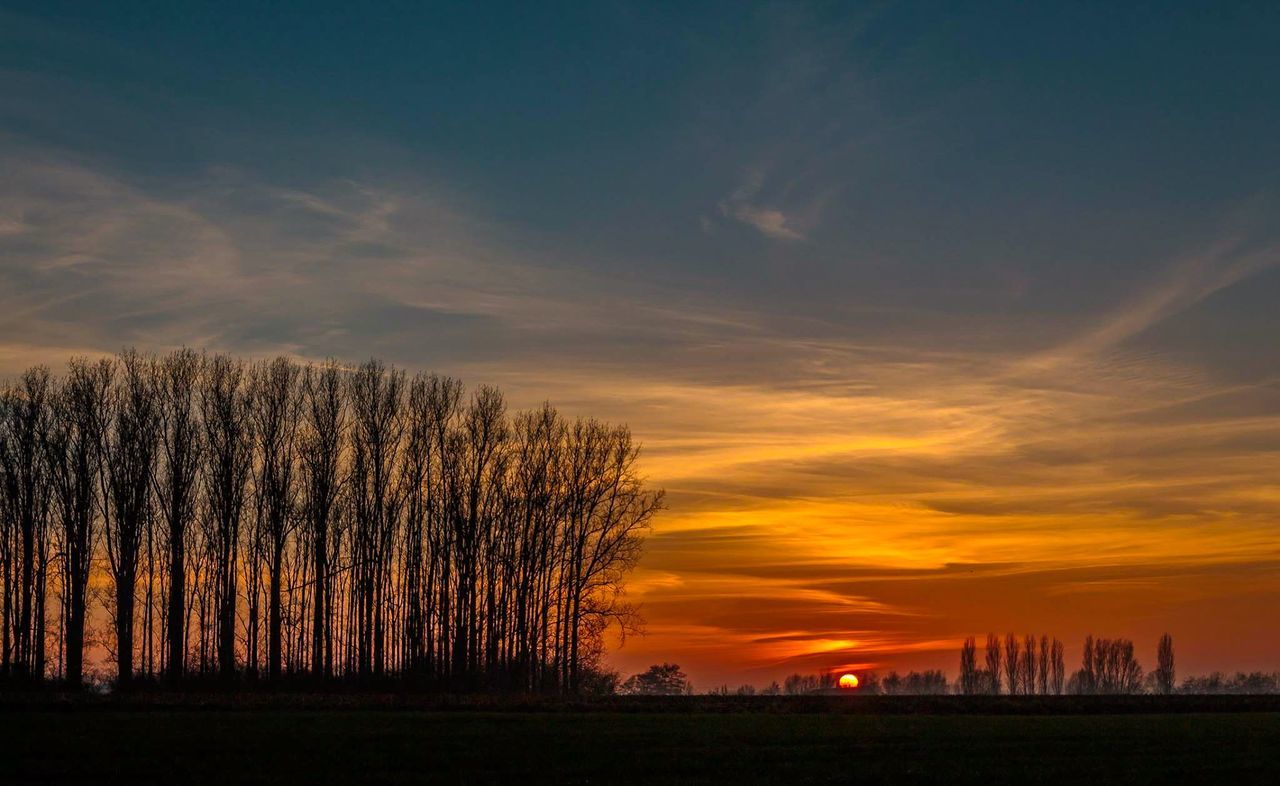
[1058, 667]
[1164, 674]
[1108, 667]
[1087, 678]
[1042, 677]
[800, 684]
[969, 667]
[993, 663]
[1012, 664]
[891, 683]
[664, 680]
[1240, 683]
[1027, 665]
[915, 683]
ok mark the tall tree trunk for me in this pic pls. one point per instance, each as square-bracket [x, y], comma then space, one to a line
[75, 631]
[319, 624]
[274, 640]
[124, 631]
[176, 635]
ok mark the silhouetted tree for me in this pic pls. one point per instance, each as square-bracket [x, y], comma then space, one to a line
[914, 683]
[439, 537]
[1164, 670]
[993, 663]
[276, 408]
[1042, 678]
[1109, 667]
[177, 482]
[1012, 663]
[226, 415]
[664, 680]
[323, 430]
[127, 503]
[1087, 681]
[969, 667]
[1027, 665]
[1256, 683]
[25, 480]
[1058, 666]
[73, 451]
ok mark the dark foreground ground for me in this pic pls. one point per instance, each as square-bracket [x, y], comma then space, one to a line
[228, 744]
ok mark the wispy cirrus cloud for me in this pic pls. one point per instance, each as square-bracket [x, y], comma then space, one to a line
[743, 206]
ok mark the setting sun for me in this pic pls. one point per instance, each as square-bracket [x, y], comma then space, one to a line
[849, 682]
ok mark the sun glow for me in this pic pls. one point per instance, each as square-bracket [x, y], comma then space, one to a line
[849, 681]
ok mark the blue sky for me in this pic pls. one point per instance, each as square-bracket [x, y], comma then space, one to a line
[850, 255]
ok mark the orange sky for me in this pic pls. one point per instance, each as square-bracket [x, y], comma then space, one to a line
[875, 513]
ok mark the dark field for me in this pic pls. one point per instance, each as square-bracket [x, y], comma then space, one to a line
[226, 745]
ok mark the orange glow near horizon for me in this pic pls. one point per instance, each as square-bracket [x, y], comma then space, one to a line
[849, 681]
[812, 530]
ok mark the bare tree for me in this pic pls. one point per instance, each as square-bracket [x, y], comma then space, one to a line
[1027, 665]
[1042, 681]
[127, 502]
[618, 514]
[1058, 666]
[225, 411]
[993, 663]
[277, 407]
[1012, 663]
[323, 433]
[74, 454]
[1088, 678]
[968, 667]
[177, 486]
[375, 397]
[442, 538]
[25, 477]
[1109, 668]
[1164, 669]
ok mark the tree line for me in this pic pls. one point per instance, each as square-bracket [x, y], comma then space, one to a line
[1027, 665]
[265, 520]
[1013, 665]
[669, 680]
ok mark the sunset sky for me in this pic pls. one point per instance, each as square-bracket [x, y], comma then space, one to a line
[931, 322]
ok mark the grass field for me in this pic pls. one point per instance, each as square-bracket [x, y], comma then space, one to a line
[327, 745]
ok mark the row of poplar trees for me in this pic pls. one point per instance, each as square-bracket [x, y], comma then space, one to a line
[231, 519]
[1107, 666]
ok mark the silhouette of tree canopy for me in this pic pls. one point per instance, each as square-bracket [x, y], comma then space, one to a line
[271, 520]
[664, 680]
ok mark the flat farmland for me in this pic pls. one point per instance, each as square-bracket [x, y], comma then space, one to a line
[334, 745]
